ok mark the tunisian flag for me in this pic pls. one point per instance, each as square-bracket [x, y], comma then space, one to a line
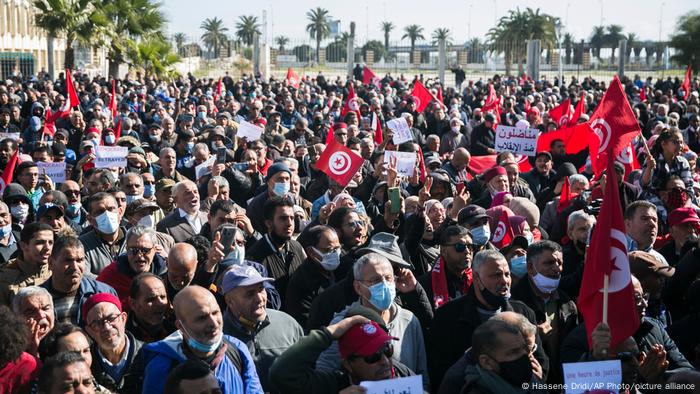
[561, 114]
[686, 83]
[503, 233]
[493, 104]
[574, 135]
[422, 96]
[479, 164]
[9, 170]
[113, 101]
[71, 96]
[339, 162]
[292, 78]
[369, 77]
[377, 127]
[352, 104]
[613, 126]
[607, 255]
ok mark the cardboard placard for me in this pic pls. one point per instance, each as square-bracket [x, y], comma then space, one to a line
[110, 156]
[595, 375]
[204, 168]
[408, 385]
[250, 131]
[520, 141]
[402, 132]
[55, 171]
[405, 161]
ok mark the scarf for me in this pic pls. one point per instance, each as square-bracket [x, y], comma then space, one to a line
[212, 361]
[439, 281]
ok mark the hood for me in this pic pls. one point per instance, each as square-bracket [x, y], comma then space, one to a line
[170, 347]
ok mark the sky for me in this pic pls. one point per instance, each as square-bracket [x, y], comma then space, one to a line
[646, 18]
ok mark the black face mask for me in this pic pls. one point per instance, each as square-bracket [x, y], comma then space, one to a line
[276, 239]
[516, 372]
[580, 245]
[494, 300]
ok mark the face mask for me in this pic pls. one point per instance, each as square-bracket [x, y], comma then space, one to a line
[455, 129]
[5, 231]
[95, 142]
[156, 118]
[154, 138]
[676, 199]
[518, 266]
[133, 197]
[494, 300]
[108, 222]
[280, 188]
[148, 190]
[205, 348]
[20, 212]
[530, 238]
[382, 295]
[110, 139]
[214, 146]
[146, 221]
[545, 284]
[481, 235]
[329, 261]
[202, 115]
[189, 146]
[237, 255]
[516, 372]
[73, 209]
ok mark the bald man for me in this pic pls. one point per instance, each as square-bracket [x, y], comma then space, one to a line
[457, 167]
[9, 238]
[200, 337]
[182, 266]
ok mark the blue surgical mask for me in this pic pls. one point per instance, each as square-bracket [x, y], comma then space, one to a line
[194, 344]
[5, 230]
[189, 146]
[202, 115]
[237, 255]
[133, 197]
[382, 295]
[156, 118]
[110, 139]
[73, 209]
[280, 188]
[530, 237]
[108, 222]
[148, 190]
[481, 235]
[518, 266]
[329, 261]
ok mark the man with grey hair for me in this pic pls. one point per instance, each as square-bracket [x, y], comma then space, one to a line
[9, 238]
[187, 220]
[140, 257]
[167, 160]
[550, 215]
[104, 242]
[418, 136]
[454, 323]
[578, 229]
[376, 285]
[131, 184]
[218, 188]
[35, 305]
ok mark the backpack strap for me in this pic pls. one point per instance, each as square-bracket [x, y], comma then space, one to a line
[234, 355]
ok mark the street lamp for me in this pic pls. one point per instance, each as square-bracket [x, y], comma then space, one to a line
[559, 28]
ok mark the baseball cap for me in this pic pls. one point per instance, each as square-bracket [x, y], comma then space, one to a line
[643, 264]
[164, 183]
[98, 298]
[518, 242]
[682, 216]
[544, 153]
[242, 275]
[363, 340]
[386, 245]
[43, 209]
[470, 214]
[140, 204]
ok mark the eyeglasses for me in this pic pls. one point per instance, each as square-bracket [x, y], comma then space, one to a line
[387, 350]
[135, 251]
[96, 324]
[644, 298]
[356, 223]
[461, 247]
[72, 192]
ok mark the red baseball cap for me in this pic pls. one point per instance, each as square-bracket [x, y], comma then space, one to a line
[682, 216]
[363, 340]
[96, 299]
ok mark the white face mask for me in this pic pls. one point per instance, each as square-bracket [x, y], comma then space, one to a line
[146, 221]
[545, 284]
[329, 261]
[20, 211]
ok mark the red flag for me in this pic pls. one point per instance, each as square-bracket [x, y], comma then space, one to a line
[339, 162]
[292, 78]
[523, 163]
[686, 83]
[628, 158]
[118, 129]
[503, 233]
[352, 104]
[613, 126]
[565, 196]
[113, 100]
[9, 171]
[369, 77]
[493, 104]
[421, 164]
[330, 136]
[439, 97]
[377, 127]
[561, 114]
[607, 255]
[527, 105]
[479, 164]
[422, 96]
[71, 97]
[580, 110]
[643, 94]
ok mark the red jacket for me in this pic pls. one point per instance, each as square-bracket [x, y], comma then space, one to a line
[16, 376]
[119, 275]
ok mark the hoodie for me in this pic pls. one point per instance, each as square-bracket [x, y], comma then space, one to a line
[160, 357]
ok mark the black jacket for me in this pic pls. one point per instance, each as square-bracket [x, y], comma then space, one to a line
[103, 378]
[483, 138]
[686, 335]
[279, 264]
[305, 284]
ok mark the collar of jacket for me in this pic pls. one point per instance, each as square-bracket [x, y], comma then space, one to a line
[470, 313]
[158, 265]
[245, 328]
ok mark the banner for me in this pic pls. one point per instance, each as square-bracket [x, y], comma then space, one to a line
[405, 161]
[402, 132]
[110, 156]
[249, 131]
[590, 376]
[204, 168]
[55, 171]
[12, 136]
[520, 141]
[411, 384]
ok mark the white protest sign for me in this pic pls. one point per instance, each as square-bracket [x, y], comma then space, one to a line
[408, 385]
[12, 136]
[405, 161]
[518, 140]
[402, 132]
[204, 168]
[250, 131]
[55, 171]
[110, 156]
[595, 375]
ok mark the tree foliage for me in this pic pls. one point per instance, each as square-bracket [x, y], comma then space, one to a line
[246, 29]
[686, 40]
[319, 26]
[214, 35]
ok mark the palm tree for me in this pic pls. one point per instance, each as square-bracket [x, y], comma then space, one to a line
[319, 26]
[476, 50]
[598, 40]
[612, 38]
[129, 20]
[387, 27]
[246, 28]
[179, 39]
[568, 43]
[281, 41]
[442, 33]
[632, 45]
[154, 56]
[214, 34]
[413, 33]
[72, 19]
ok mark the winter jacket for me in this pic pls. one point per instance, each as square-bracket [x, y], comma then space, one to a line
[88, 287]
[119, 275]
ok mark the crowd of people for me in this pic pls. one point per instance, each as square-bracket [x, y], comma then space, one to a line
[257, 272]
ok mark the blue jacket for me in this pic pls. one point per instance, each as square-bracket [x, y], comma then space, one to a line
[161, 356]
[88, 287]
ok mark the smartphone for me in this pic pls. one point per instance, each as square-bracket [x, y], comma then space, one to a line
[395, 198]
[221, 155]
[241, 166]
[228, 232]
[460, 187]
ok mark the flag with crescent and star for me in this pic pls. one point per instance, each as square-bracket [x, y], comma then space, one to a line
[339, 162]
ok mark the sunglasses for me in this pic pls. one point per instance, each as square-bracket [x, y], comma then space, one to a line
[135, 251]
[461, 247]
[387, 350]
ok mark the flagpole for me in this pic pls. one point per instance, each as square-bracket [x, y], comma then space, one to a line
[606, 279]
[644, 140]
